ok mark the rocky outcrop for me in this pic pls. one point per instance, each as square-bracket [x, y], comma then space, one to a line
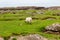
[1, 38]
[28, 37]
[48, 18]
[54, 8]
[55, 27]
[22, 8]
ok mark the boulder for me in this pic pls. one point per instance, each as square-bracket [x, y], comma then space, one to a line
[29, 37]
[1, 38]
[55, 27]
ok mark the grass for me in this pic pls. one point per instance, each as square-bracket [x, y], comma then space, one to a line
[20, 27]
[11, 23]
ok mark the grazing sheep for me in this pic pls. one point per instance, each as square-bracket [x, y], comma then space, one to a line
[28, 20]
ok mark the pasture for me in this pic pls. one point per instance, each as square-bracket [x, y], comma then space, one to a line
[15, 23]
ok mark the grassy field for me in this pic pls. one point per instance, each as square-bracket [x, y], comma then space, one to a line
[15, 23]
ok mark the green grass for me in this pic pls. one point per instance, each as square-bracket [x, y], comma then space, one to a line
[20, 27]
[11, 23]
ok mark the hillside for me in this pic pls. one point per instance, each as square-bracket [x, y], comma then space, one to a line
[12, 22]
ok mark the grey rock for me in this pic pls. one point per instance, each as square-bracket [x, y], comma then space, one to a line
[54, 27]
[1, 38]
[29, 37]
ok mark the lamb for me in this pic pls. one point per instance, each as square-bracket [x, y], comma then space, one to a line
[28, 20]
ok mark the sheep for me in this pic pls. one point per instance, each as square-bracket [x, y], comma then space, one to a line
[28, 20]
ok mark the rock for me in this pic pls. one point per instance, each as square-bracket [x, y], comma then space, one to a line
[55, 27]
[50, 19]
[29, 37]
[1, 38]
[40, 12]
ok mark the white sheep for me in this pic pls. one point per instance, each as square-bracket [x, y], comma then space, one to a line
[28, 20]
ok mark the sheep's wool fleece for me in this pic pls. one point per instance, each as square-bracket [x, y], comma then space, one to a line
[28, 19]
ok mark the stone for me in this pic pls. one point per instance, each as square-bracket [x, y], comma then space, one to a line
[55, 27]
[30, 37]
[1, 38]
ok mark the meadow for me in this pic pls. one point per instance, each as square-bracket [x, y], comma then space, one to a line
[15, 23]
